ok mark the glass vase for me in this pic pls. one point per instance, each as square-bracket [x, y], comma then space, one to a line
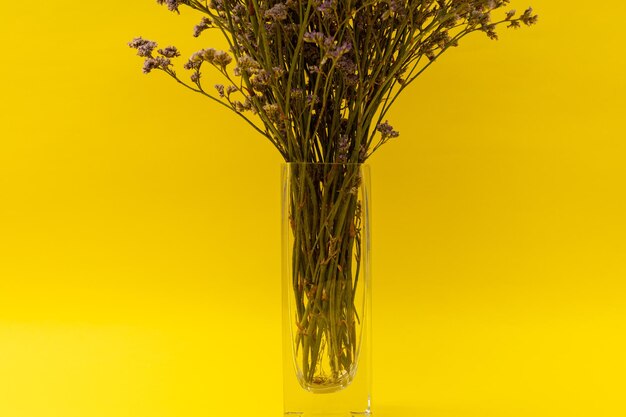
[326, 289]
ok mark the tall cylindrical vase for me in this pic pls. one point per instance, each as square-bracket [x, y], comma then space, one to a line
[326, 289]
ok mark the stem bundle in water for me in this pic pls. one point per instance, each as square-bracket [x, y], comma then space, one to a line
[325, 218]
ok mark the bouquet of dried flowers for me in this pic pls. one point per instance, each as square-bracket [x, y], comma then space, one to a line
[317, 79]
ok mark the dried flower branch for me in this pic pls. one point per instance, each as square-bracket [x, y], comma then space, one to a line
[315, 71]
[317, 78]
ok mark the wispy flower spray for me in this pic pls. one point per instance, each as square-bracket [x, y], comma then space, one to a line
[317, 79]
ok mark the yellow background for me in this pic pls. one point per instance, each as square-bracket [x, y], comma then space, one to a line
[139, 227]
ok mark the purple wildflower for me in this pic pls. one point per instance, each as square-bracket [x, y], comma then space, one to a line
[314, 37]
[169, 52]
[386, 131]
[311, 99]
[199, 57]
[156, 63]
[221, 59]
[510, 14]
[277, 13]
[325, 6]
[172, 5]
[230, 89]
[144, 47]
[204, 24]
[528, 18]
[210, 55]
[363, 155]
[220, 90]
[246, 65]
[343, 148]
[398, 9]
[338, 51]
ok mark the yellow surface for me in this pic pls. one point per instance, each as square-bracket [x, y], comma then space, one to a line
[139, 227]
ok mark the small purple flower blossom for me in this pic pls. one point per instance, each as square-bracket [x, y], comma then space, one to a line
[363, 155]
[221, 59]
[528, 18]
[338, 51]
[386, 130]
[220, 90]
[144, 47]
[156, 63]
[204, 24]
[210, 55]
[510, 14]
[172, 5]
[246, 65]
[195, 60]
[277, 13]
[325, 6]
[169, 52]
[230, 89]
[311, 99]
[343, 148]
[314, 37]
